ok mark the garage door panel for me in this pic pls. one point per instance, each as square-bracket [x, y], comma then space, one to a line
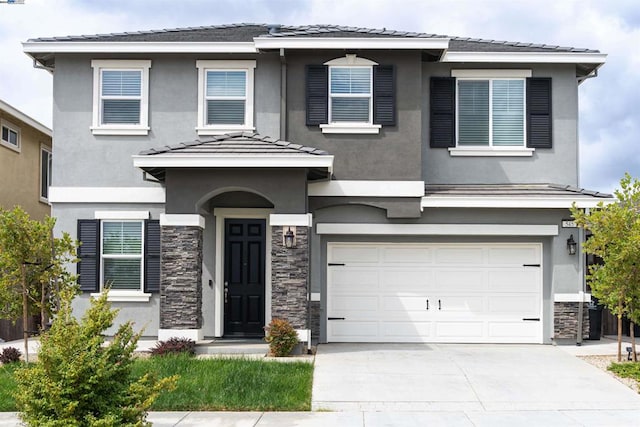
[382, 291]
[396, 255]
[524, 279]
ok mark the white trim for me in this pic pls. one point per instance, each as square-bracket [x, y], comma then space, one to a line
[302, 220]
[191, 334]
[491, 151]
[220, 215]
[438, 229]
[125, 296]
[314, 296]
[121, 215]
[526, 57]
[106, 195]
[24, 118]
[47, 149]
[182, 220]
[350, 128]
[248, 66]
[138, 47]
[15, 129]
[489, 74]
[510, 202]
[572, 297]
[97, 127]
[350, 43]
[366, 188]
[351, 60]
[175, 160]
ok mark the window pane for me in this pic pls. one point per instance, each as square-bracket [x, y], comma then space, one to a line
[508, 112]
[13, 137]
[121, 273]
[225, 112]
[5, 133]
[45, 174]
[121, 111]
[121, 83]
[473, 113]
[350, 80]
[350, 109]
[121, 238]
[226, 83]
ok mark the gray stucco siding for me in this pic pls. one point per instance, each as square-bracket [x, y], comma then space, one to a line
[84, 159]
[395, 153]
[556, 165]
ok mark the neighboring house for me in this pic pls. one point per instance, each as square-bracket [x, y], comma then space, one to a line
[369, 185]
[25, 162]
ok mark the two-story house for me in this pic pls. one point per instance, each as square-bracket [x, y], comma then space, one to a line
[369, 185]
[25, 162]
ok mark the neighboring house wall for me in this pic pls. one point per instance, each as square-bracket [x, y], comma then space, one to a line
[555, 165]
[395, 153]
[20, 169]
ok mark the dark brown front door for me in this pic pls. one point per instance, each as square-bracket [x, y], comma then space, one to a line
[244, 256]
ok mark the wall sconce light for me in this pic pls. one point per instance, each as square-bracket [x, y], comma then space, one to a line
[289, 237]
[571, 245]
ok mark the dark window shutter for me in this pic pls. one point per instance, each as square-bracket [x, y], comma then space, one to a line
[152, 256]
[384, 95]
[89, 255]
[442, 112]
[539, 113]
[317, 95]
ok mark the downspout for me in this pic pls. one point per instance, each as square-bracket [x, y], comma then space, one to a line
[38, 66]
[283, 96]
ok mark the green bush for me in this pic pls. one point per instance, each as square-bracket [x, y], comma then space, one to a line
[9, 355]
[281, 336]
[79, 380]
[175, 346]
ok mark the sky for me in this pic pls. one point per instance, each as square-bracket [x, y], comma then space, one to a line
[609, 115]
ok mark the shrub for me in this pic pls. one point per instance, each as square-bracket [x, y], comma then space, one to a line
[79, 380]
[10, 355]
[281, 336]
[175, 346]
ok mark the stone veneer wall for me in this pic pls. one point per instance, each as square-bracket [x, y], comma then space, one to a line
[314, 310]
[289, 275]
[565, 320]
[180, 277]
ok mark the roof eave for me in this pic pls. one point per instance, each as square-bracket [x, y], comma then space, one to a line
[513, 202]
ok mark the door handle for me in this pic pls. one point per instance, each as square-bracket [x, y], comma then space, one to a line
[439, 305]
[427, 304]
[226, 292]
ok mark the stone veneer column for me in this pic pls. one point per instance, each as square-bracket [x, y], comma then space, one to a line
[289, 276]
[565, 320]
[180, 279]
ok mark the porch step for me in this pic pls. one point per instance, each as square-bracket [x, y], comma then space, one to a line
[232, 347]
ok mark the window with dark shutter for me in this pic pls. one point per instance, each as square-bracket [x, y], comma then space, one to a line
[152, 256]
[384, 89]
[317, 95]
[539, 117]
[88, 253]
[442, 112]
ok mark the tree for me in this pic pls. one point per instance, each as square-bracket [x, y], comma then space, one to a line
[615, 238]
[81, 380]
[32, 266]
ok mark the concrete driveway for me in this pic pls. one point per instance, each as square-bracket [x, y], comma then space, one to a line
[462, 378]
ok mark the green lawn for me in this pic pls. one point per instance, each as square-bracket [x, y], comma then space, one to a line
[215, 384]
[626, 370]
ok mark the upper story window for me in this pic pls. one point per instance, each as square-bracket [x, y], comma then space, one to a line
[45, 172]
[120, 97]
[10, 135]
[490, 113]
[351, 95]
[225, 96]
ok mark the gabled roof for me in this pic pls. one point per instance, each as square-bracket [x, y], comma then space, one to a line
[235, 150]
[19, 115]
[511, 196]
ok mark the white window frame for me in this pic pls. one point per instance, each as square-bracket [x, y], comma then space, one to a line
[100, 65]
[350, 61]
[45, 149]
[123, 292]
[248, 66]
[492, 150]
[12, 128]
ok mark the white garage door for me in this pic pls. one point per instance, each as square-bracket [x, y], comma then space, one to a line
[471, 293]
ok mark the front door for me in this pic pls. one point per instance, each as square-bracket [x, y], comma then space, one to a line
[244, 272]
